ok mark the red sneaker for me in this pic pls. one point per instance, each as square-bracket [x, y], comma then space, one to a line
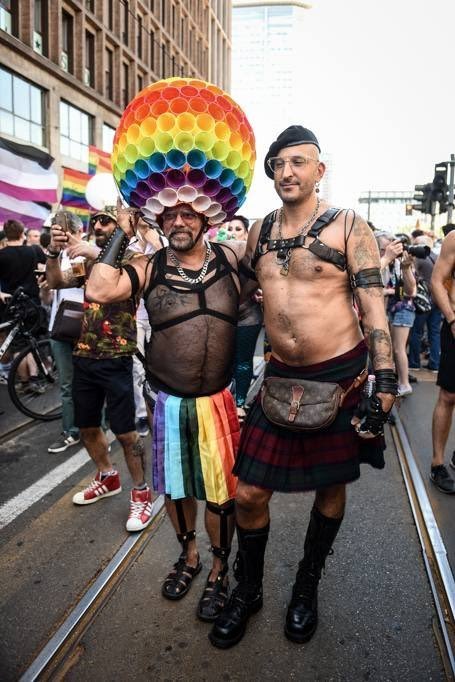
[110, 485]
[140, 510]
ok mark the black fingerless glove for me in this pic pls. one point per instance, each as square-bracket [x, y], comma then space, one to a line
[372, 416]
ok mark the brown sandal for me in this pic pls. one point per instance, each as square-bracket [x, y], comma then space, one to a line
[179, 580]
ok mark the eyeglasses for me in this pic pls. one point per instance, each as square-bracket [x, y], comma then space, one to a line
[277, 163]
[186, 216]
[102, 219]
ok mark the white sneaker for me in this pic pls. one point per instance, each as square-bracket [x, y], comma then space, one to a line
[404, 390]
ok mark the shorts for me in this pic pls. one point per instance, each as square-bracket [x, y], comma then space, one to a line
[195, 441]
[446, 373]
[107, 380]
[402, 318]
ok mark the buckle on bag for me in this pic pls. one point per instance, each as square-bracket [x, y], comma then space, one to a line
[296, 396]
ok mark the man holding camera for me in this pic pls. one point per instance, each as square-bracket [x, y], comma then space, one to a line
[103, 371]
[443, 291]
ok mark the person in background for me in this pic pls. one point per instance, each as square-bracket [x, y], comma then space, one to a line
[248, 327]
[443, 292]
[431, 319]
[18, 262]
[33, 237]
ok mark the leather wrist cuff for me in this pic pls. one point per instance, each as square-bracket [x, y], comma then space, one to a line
[114, 250]
[386, 381]
[52, 254]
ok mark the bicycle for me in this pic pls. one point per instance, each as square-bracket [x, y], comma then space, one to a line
[37, 395]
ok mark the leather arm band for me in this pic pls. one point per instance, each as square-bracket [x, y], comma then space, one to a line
[386, 381]
[134, 279]
[52, 254]
[114, 250]
[369, 277]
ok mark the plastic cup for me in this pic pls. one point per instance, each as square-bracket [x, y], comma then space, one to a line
[196, 158]
[237, 186]
[123, 141]
[205, 122]
[218, 218]
[165, 122]
[232, 121]
[246, 151]
[224, 103]
[135, 200]
[142, 169]
[142, 112]
[204, 141]
[196, 177]
[184, 142]
[216, 111]
[186, 122]
[143, 188]
[227, 177]
[178, 105]
[222, 131]
[131, 179]
[213, 169]
[170, 93]
[197, 105]
[236, 141]
[189, 91]
[214, 88]
[233, 160]
[129, 120]
[133, 133]
[124, 188]
[211, 187]
[213, 209]
[231, 205]
[159, 107]
[175, 158]
[154, 206]
[187, 194]
[146, 147]
[201, 203]
[175, 178]
[243, 169]
[131, 153]
[157, 162]
[121, 164]
[207, 95]
[223, 195]
[168, 197]
[151, 96]
[220, 150]
[156, 182]
[148, 126]
[164, 142]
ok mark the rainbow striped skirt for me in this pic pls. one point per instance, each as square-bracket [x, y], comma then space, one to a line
[194, 445]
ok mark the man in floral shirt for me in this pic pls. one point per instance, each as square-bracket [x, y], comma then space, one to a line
[103, 373]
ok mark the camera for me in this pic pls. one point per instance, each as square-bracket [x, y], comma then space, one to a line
[416, 250]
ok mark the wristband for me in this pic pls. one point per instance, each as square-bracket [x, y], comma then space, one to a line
[114, 250]
[386, 381]
[52, 254]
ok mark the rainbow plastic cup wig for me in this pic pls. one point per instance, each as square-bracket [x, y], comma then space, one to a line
[184, 140]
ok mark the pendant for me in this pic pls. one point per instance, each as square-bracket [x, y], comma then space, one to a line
[284, 270]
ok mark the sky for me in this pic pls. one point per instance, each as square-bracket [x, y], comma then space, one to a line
[377, 88]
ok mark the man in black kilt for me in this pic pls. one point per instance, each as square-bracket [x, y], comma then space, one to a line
[309, 260]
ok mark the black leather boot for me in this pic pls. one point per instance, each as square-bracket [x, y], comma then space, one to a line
[246, 597]
[302, 615]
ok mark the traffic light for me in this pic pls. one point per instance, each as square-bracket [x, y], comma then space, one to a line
[424, 197]
[439, 187]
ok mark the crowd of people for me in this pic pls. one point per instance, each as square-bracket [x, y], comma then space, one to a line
[338, 299]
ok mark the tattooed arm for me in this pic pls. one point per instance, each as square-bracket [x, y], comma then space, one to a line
[362, 253]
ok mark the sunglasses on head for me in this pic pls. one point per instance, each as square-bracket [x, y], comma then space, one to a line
[102, 219]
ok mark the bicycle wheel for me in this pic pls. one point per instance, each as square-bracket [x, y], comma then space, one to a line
[40, 397]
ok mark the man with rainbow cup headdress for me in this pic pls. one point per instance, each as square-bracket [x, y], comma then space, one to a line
[184, 155]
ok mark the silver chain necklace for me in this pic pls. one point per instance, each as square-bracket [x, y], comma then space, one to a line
[182, 273]
[283, 256]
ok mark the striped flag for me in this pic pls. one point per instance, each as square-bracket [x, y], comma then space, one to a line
[75, 182]
[27, 176]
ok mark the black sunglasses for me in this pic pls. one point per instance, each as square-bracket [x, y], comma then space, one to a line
[102, 219]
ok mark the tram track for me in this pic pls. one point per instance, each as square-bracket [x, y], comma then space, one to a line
[434, 554]
[64, 647]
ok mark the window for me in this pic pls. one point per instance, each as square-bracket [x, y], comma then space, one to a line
[152, 50]
[76, 132]
[110, 14]
[40, 27]
[8, 16]
[21, 108]
[126, 22]
[89, 70]
[90, 5]
[108, 138]
[66, 57]
[108, 74]
[140, 82]
[125, 84]
[139, 36]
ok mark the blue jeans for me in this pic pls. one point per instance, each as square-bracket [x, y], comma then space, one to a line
[433, 321]
[63, 355]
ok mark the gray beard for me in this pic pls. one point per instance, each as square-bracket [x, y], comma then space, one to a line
[179, 246]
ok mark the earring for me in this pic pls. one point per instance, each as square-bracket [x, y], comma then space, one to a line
[317, 188]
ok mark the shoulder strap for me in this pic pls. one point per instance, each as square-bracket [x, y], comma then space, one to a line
[264, 234]
[325, 219]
